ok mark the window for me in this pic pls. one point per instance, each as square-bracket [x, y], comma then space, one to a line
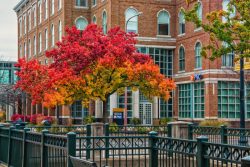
[60, 30]
[163, 23]
[94, 2]
[181, 23]
[94, 19]
[199, 11]
[81, 3]
[227, 59]
[34, 16]
[29, 21]
[59, 4]
[78, 110]
[40, 12]
[81, 23]
[121, 102]
[34, 45]
[163, 58]
[46, 39]
[52, 7]
[29, 49]
[52, 35]
[24, 20]
[46, 8]
[46, 61]
[191, 100]
[25, 49]
[40, 42]
[104, 22]
[20, 51]
[131, 16]
[20, 27]
[226, 6]
[198, 59]
[181, 59]
[228, 99]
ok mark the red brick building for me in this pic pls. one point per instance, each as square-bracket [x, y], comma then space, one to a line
[205, 89]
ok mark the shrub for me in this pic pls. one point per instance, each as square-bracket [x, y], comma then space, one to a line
[88, 120]
[136, 121]
[141, 129]
[113, 127]
[16, 117]
[165, 121]
[39, 119]
[214, 123]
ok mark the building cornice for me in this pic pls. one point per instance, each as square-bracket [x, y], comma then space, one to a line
[156, 39]
[20, 5]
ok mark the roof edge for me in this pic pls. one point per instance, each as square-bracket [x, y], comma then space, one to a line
[19, 5]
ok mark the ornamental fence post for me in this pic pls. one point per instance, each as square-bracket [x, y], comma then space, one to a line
[153, 152]
[25, 130]
[44, 150]
[201, 152]
[71, 139]
[223, 134]
[169, 127]
[88, 142]
[245, 162]
[9, 146]
[106, 134]
[190, 131]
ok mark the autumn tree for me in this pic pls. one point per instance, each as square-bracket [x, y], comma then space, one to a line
[231, 27]
[90, 65]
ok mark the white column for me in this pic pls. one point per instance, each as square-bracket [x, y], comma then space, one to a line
[98, 109]
[155, 107]
[113, 103]
[136, 101]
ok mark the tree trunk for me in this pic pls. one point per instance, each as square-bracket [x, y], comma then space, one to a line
[105, 112]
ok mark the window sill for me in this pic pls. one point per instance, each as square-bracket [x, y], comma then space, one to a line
[179, 72]
[93, 6]
[198, 29]
[181, 35]
[81, 7]
[163, 36]
[197, 69]
[227, 67]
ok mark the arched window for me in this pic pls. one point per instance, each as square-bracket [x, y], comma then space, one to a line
[46, 39]
[34, 45]
[25, 49]
[46, 8]
[226, 6]
[25, 23]
[81, 23]
[131, 17]
[227, 59]
[20, 27]
[199, 11]
[94, 19]
[59, 4]
[40, 12]
[34, 16]
[181, 59]
[198, 59]
[163, 23]
[29, 20]
[40, 42]
[52, 35]
[181, 23]
[104, 22]
[60, 30]
[29, 48]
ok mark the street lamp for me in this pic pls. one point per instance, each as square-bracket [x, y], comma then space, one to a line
[126, 90]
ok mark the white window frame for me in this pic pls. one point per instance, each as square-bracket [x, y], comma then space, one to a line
[52, 35]
[20, 27]
[77, 4]
[59, 4]
[40, 42]
[198, 56]
[104, 24]
[94, 20]
[133, 20]
[81, 17]
[25, 49]
[52, 7]
[46, 39]
[40, 12]
[34, 45]
[25, 23]
[29, 48]
[182, 21]
[169, 18]
[34, 17]
[46, 9]
[60, 30]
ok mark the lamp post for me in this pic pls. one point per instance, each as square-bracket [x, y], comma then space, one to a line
[126, 89]
[242, 140]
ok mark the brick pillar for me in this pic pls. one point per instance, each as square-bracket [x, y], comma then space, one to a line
[211, 100]
[65, 114]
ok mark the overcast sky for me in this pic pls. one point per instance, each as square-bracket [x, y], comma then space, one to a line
[8, 30]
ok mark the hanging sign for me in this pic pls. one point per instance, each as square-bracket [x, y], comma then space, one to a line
[196, 77]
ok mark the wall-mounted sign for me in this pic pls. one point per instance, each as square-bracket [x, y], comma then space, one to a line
[196, 77]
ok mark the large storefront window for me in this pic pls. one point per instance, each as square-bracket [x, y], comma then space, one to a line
[191, 100]
[163, 58]
[229, 99]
